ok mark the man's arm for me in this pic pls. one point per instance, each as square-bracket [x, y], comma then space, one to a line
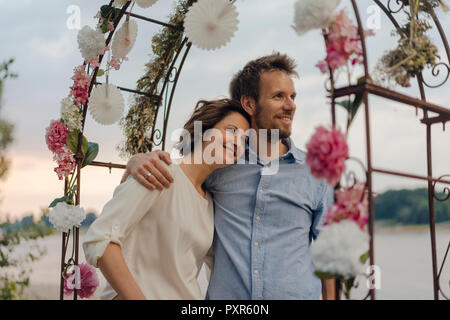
[329, 290]
[142, 163]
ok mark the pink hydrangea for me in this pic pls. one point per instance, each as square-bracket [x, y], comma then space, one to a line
[350, 204]
[88, 281]
[326, 154]
[342, 44]
[81, 83]
[65, 159]
[55, 135]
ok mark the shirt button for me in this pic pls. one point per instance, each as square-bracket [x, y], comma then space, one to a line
[258, 218]
[256, 272]
[256, 243]
[260, 190]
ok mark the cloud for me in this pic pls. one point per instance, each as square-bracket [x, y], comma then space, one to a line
[55, 48]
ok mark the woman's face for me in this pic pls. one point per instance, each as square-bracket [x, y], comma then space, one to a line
[225, 144]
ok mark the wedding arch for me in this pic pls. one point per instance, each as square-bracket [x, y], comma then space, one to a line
[155, 91]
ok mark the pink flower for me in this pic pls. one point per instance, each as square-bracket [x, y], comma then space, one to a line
[65, 159]
[343, 43]
[95, 63]
[80, 87]
[326, 154]
[55, 135]
[88, 281]
[350, 204]
[323, 66]
[115, 63]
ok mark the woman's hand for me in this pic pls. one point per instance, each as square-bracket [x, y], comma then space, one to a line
[143, 163]
[114, 268]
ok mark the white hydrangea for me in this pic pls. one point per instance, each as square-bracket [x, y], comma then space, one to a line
[338, 249]
[65, 216]
[313, 14]
[71, 114]
[91, 43]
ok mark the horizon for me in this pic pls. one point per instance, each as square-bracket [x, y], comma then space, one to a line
[46, 52]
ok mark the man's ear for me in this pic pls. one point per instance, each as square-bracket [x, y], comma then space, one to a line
[249, 105]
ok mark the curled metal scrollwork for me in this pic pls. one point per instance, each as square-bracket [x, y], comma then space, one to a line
[435, 72]
[157, 135]
[446, 190]
[398, 2]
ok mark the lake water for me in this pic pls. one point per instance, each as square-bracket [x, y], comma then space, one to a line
[403, 255]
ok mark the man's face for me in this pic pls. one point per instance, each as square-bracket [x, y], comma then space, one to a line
[275, 107]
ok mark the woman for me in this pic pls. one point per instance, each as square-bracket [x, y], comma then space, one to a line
[152, 244]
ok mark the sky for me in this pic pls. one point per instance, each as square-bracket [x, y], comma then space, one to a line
[35, 33]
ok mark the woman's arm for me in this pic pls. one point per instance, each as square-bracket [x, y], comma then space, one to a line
[114, 268]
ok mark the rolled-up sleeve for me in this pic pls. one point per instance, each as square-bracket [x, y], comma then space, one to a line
[130, 202]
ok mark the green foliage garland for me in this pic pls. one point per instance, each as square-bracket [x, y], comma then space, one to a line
[139, 123]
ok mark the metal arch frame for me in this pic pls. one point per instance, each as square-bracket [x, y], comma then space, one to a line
[366, 88]
[79, 156]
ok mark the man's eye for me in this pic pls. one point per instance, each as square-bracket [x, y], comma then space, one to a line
[233, 131]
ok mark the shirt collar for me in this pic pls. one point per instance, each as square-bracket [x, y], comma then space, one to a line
[292, 153]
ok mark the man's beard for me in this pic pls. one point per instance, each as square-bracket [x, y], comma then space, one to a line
[282, 134]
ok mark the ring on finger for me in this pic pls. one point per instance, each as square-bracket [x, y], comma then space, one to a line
[147, 175]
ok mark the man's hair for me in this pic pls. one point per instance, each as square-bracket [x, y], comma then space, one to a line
[246, 81]
[209, 113]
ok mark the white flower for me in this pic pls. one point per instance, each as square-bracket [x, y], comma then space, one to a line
[313, 14]
[65, 216]
[91, 43]
[106, 104]
[145, 3]
[71, 114]
[124, 39]
[338, 249]
[211, 24]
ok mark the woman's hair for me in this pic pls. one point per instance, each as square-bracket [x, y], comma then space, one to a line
[209, 113]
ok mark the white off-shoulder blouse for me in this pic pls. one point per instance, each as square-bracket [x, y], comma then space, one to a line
[165, 236]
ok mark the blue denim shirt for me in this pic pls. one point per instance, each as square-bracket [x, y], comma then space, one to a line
[264, 225]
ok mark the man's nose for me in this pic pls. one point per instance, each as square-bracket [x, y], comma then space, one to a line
[290, 105]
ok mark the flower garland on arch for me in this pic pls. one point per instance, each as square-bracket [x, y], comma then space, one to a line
[62, 135]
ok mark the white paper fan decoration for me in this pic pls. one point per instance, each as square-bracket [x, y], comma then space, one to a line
[140, 3]
[119, 3]
[145, 3]
[211, 24]
[124, 39]
[106, 104]
[313, 14]
[91, 43]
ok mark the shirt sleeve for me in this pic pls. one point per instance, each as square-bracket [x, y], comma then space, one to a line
[325, 203]
[130, 202]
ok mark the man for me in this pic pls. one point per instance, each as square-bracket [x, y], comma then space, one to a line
[264, 220]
